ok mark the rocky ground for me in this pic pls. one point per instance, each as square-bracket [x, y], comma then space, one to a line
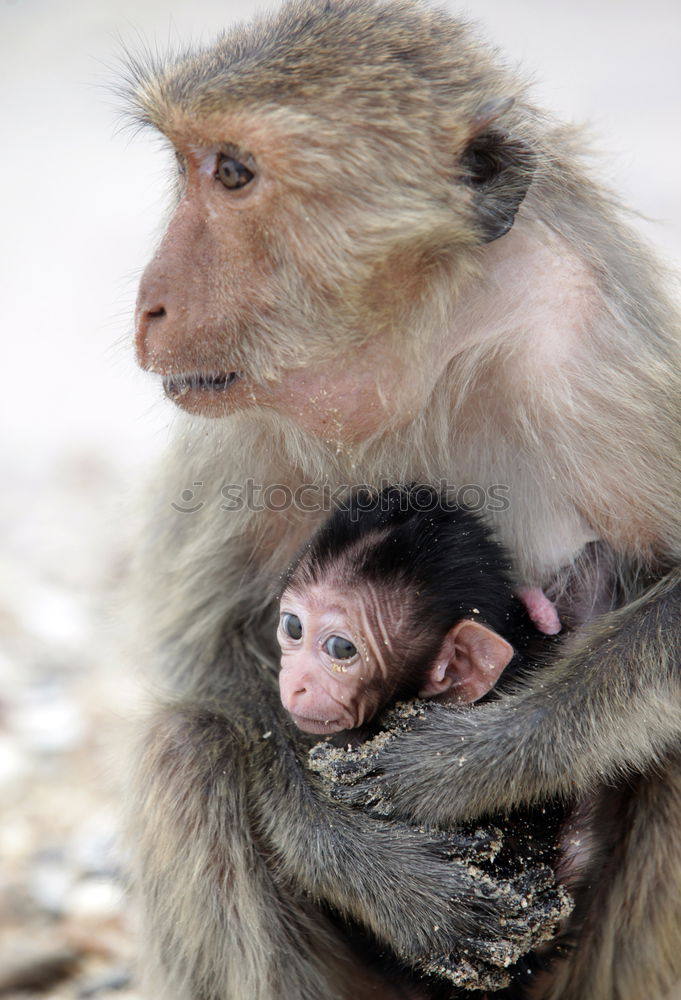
[65, 704]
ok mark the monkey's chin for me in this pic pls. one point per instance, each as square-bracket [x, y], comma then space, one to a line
[317, 727]
[207, 395]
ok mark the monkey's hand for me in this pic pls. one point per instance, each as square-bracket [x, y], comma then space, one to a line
[356, 774]
[433, 764]
[607, 707]
[427, 895]
[484, 963]
[518, 910]
[435, 899]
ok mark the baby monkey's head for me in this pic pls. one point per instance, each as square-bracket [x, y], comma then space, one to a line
[399, 593]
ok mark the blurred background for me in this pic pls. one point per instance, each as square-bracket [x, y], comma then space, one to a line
[81, 427]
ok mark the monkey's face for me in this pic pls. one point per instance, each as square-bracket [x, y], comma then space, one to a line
[328, 212]
[339, 664]
[284, 281]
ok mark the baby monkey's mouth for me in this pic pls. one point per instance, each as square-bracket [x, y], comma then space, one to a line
[319, 727]
[180, 385]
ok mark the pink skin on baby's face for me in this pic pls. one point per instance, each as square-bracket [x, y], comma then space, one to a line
[344, 652]
[337, 655]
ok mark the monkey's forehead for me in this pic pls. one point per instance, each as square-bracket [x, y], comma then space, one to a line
[364, 603]
[325, 50]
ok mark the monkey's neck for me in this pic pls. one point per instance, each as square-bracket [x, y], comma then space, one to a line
[534, 297]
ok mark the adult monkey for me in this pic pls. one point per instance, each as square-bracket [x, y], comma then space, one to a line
[334, 286]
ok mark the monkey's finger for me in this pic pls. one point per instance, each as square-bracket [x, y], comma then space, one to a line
[341, 766]
[525, 905]
[363, 796]
[403, 716]
[349, 764]
[534, 882]
[516, 938]
[485, 955]
[481, 844]
[533, 924]
[464, 974]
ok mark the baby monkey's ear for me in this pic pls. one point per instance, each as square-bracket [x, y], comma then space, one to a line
[471, 660]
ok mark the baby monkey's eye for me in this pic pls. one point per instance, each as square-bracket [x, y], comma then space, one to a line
[339, 648]
[291, 624]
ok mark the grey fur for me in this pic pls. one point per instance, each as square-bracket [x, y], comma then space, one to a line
[235, 841]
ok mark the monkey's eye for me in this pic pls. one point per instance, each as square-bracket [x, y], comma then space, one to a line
[231, 173]
[292, 626]
[339, 648]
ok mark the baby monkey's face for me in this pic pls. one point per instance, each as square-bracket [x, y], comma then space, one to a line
[347, 651]
[339, 656]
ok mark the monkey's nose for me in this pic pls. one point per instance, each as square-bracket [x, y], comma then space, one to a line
[146, 319]
[291, 690]
[297, 695]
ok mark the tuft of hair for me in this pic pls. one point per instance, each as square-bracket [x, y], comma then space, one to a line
[299, 52]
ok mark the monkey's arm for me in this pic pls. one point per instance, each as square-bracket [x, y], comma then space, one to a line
[221, 793]
[422, 894]
[609, 706]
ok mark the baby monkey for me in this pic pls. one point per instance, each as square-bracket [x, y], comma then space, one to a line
[400, 594]
[405, 594]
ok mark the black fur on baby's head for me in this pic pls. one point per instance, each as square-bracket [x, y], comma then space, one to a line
[414, 541]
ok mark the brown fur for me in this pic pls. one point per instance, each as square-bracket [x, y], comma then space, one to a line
[380, 336]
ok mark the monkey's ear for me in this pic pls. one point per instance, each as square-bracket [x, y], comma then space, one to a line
[471, 660]
[498, 168]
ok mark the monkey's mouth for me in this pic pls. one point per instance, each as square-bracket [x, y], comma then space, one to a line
[318, 727]
[177, 386]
